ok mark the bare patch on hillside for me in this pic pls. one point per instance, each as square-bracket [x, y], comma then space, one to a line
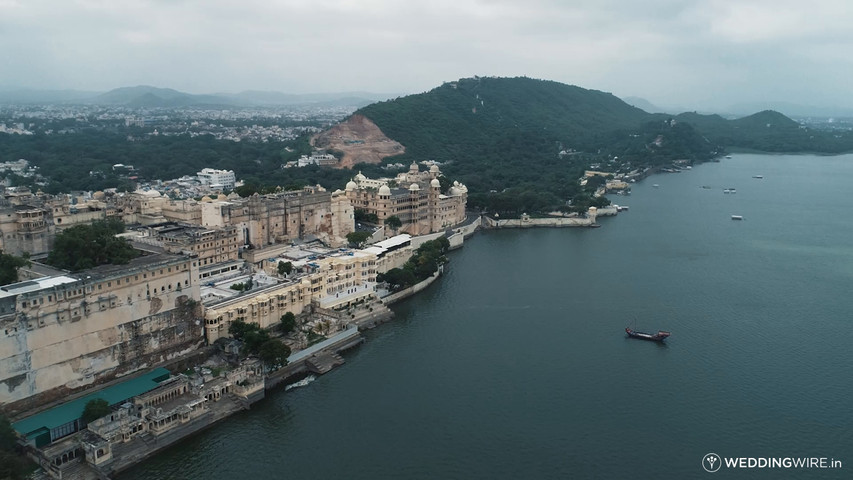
[360, 140]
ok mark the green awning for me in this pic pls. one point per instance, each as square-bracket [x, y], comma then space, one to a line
[70, 411]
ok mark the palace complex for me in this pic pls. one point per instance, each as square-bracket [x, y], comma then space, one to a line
[414, 197]
[205, 264]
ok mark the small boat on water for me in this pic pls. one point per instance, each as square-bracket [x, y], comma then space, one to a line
[732, 190]
[656, 185]
[758, 176]
[726, 190]
[728, 156]
[737, 217]
[654, 337]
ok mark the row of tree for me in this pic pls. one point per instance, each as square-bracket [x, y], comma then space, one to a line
[86, 246]
[424, 263]
[257, 341]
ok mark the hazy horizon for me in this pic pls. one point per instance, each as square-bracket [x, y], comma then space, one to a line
[693, 55]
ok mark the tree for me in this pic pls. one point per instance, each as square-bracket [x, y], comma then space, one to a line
[443, 244]
[357, 239]
[594, 182]
[363, 216]
[238, 328]
[393, 222]
[288, 322]
[246, 190]
[14, 466]
[8, 438]
[274, 352]
[284, 268]
[254, 338]
[95, 409]
[251, 334]
[9, 265]
[398, 278]
[87, 246]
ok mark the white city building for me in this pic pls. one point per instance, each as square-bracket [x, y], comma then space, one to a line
[217, 179]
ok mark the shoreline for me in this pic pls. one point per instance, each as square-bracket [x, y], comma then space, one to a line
[300, 369]
[317, 359]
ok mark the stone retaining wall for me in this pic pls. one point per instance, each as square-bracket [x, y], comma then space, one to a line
[396, 297]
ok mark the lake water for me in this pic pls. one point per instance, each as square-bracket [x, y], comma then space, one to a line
[515, 364]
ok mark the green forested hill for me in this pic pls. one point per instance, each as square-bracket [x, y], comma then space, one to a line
[522, 142]
[768, 131]
[456, 117]
[529, 140]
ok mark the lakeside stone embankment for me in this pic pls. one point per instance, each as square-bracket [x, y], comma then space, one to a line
[526, 221]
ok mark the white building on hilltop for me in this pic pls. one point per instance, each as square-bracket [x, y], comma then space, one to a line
[217, 179]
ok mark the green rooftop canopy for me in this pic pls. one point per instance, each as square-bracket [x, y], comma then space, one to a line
[73, 410]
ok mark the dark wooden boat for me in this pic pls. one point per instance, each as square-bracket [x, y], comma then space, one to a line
[654, 337]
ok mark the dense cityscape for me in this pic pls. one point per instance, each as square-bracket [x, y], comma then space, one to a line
[270, 286]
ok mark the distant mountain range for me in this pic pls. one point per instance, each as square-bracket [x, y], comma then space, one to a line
[792, 109]
[154, 97]
[643, 104]
[742, 109]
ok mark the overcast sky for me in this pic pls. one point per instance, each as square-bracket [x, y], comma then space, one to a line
[694, 54]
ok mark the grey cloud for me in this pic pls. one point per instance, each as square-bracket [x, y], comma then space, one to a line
[697, 54]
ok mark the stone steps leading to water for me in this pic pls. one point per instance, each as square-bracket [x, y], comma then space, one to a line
[323, 362]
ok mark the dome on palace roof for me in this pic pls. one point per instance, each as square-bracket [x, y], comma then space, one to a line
[384, 190]
[414, 187]
[148, 193]
[351, 186]
[433, 168]
[206, 199]
[360, 177]
[434, 183]
[99, 195]
[221, 197]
